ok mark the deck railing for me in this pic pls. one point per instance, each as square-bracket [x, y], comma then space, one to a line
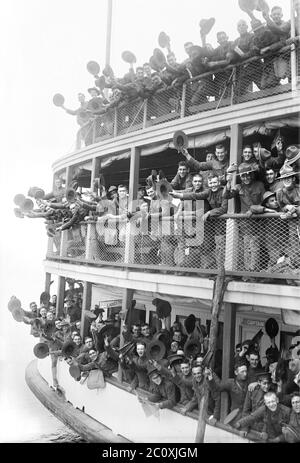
[261, 246]
[275, 71]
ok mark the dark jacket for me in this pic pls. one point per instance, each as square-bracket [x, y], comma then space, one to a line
[164, 394]
[272, 421]
[249, 194]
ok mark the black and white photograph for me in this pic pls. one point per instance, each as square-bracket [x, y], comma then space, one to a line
[150, 237]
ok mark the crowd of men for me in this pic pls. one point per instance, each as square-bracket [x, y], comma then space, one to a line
[169, 365]
[179, 222]
[165, 75]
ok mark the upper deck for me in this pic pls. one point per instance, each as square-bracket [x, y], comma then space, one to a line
[148, 124]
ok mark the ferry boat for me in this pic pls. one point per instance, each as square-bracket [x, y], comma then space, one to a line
[125, 144]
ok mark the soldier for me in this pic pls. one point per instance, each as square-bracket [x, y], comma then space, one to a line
[139, 363]
[250, 192]
[248, 158]
[272, 414]
[276, 230]
[271, 182]
[182, 179]
[294, 422]
[236, 388]
[219, 59]
[243, 48]
[289, 202]
[218, 165]
[255, 397]
[218, 206]
[202, 379]
[162, 390]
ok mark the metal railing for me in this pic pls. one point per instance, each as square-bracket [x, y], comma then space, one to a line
[261, 246]
[261, 76]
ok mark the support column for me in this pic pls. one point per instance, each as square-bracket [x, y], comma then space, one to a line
[60, 296]
[232, 237]
[228, 351]
[132, 198]
[126, 302]
[64, 233]
[47, 282]
[86, 303]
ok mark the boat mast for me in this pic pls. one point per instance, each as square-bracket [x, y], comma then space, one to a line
[108, 31]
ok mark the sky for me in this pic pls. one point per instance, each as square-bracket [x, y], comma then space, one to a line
[45, 46]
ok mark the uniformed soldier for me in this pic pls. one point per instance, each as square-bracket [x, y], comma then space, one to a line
[255, 398]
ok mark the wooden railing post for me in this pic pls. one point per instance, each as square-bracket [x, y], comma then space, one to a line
[133, 188]
[47, 282]
[228, 351]
[86, 303]
[232, 235]
[60, 296]
[126, 302]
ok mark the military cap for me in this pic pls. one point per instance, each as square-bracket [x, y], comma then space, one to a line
[58, 99]
[19, 199]
[245, 169]
[206, 25]
[287, 171]
[271, 327]
[93, 67]
[155, 350]
[152, 370]
[93, 88]
[112, 188]
[266, 196]
[263, 154]
[41, 350]
[263, 374]
[189, 323]
[175, 358]
[292, 153]
[128, 57]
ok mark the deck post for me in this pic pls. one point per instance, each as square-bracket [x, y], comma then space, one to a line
[294, 77]
[218, 295]
[126, 302]
[132, 198]
[65, 233]
[86, 303]
[228, 351]
[47, 282]
[60, 296]
[232, 236]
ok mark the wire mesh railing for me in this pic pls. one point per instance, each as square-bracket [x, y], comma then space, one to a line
[266, 74]
[261, 245]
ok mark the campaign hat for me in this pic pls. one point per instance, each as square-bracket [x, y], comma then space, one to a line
[292, 153]
[112, 188]
[245, 169]
[287, 171]
[192, 347]
[74, 371]
[271, 327]
[93, 68]
[159, 58]
[263, 154]
[19, 199]
[152, 370]
[155, 350]
[175, 358]
[41, 350]
[206, 25]
[58, 99]
[27, 205]
[68, 348]
[128, 57]
[89, 314]
[14, 303]
[163, 336]
[163, 40]
[190, 323]
[94, 88]
[266, 196]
